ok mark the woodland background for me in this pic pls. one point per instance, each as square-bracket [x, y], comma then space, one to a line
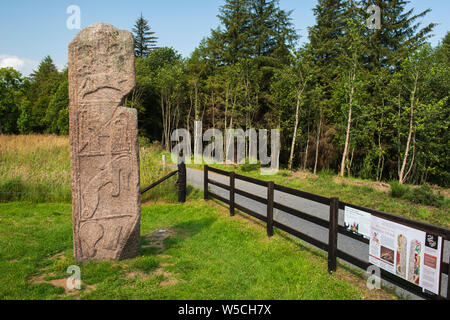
[366, 103]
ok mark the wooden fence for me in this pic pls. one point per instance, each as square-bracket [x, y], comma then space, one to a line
[331, 224]
[181, 183]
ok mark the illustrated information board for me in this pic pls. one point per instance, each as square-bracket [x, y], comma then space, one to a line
[357, 221]
[409, 253]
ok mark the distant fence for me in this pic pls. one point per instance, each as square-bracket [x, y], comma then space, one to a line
[334, 228]
[181, 183]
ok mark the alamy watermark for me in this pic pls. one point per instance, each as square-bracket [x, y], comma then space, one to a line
[374, 21]
[235, 147]
[374, 279]
[74, 20]
[74, 281]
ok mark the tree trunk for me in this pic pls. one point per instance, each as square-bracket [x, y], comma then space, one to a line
[402, 175]
[291, 158]
[317, 142]
[349, 123]
[306, 151]
[163, 120]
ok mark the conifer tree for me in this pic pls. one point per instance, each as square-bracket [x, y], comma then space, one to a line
[324, 39]
[272, 32]
[230, 43]
[144, 39]
[400, 33]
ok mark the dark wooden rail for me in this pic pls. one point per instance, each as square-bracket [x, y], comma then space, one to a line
[170, 175]
[332, 224]
[181, 183]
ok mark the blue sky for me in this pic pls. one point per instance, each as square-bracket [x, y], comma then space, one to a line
[30, 29]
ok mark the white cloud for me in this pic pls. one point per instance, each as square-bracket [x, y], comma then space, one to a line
[25, 66]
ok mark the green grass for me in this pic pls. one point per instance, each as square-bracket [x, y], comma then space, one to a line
[420, 195]
[209, 256]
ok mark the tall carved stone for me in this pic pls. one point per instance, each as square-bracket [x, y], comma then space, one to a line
[104, 145]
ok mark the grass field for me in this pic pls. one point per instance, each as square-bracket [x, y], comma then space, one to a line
[207, 256]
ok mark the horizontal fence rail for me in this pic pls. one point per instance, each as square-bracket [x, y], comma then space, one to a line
[331, 225]
[181, 183]
[153, 185]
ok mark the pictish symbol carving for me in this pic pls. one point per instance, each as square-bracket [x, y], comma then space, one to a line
[114, 239]
[90, 234]
[119, 135]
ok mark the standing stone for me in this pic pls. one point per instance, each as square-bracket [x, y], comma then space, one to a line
[103, 145]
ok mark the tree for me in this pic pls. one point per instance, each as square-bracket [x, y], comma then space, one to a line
[413, 77]
[146, 96]
[324, 48]
[352, 49]
[288, 87]
[400, 33]
[43, 84]
[10, 99]
[169, 83]
[144, 39]
[230, 42]
[272, 32]
[57, 115]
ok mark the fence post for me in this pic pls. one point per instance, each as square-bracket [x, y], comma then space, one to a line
[232, 184]
[448, 275]
[181, 183]
[205, 182]
[332, 240]
[270, 192]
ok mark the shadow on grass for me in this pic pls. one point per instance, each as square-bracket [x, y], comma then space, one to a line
[299, 243]
[180, 232]
[167, 192]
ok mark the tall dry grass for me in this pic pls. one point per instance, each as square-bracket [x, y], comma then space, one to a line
[37, 168]
[34, 168]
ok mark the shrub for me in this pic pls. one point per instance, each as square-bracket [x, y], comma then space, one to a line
[425, 195]
[247, 167]
[421, 195]
[398, 190]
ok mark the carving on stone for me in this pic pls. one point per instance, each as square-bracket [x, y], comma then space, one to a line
[104, 145]
[90, 234]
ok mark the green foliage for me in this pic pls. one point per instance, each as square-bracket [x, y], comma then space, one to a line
[248, 167]
[423, 195]
[398, 190]
[146, 98]
[11, 97]
[57, 115]
[144, 39]
[326, 173]
[24, 119]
